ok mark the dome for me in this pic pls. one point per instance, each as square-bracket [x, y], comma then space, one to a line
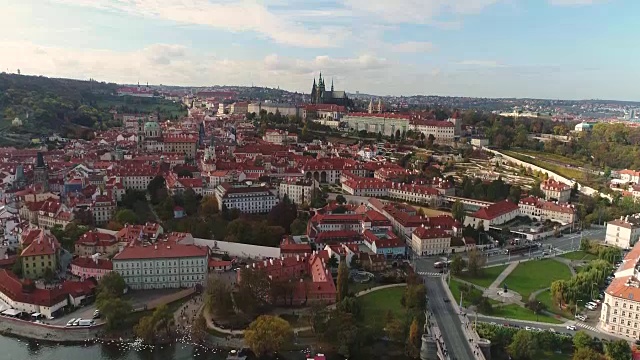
[151, 126]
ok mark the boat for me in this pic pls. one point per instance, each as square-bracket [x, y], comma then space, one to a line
[236, 355]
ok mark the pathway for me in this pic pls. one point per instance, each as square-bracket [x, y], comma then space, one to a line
[567, 262]
[503, 275]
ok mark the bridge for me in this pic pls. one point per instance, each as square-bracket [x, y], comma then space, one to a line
[469, 204]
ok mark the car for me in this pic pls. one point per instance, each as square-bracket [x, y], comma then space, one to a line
[70, 322]
[552, 330]
[76, 322]
[581, 318]
[571, 327]
[445, 299]
[528, 328]
[96, 315]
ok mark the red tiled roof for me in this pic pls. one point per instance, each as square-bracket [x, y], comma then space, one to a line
[160, 250]
[95, 238]
[13, 288]
[495, 210]
[430, 233]
[89, 263]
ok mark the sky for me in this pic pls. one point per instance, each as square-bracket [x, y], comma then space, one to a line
[556, 49]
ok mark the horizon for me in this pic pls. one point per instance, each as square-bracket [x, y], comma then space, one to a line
[495, 49]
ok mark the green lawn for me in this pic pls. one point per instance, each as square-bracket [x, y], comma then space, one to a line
[579, 255]
[534, 275]
[454, 286]
[571, 173]
[551, 157]
[489, 275]
[375, 306]
[513, 311]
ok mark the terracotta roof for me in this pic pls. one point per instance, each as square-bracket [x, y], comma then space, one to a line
[160, 250]
[430, 233]
[14, 289]
[89, 263]
[495, 210]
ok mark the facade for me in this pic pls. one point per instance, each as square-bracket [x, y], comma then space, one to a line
[623, 232]
[94, 242]
[24, 296]
[385, 242]
[430, 241]
[40, 251]
[542, 210]
[297, 190]
[554, 190]
[246, 197]
[185, 144]
[102, 208]
[283, 109]
[319, 95]
[442, 131]
[160, 266]
[41, 172]
[386, 124]
[280, 137]
[90, 267]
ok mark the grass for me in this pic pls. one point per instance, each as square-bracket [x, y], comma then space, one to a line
[534, 275]
[431, 212]
[545, 298]
[513, 311]
[375, 306]
[551, 157]
[488, 277]
[570, 173]
[454, 286]
[579, 255]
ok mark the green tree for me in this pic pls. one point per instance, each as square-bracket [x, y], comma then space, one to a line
[48, 275]
[298, 227]
[112, 285]
[209, 206]
[457, 264]
[586, 354]
[476, 262]
[145, 329]
[283, 214]
[268, 334]
[333, 261]
[218, 297]
[253, 291]
[190, 201]
[126, 216]
[582, 340]
[618, 350]
[17, 267]
[343, 281]
[114, 310]
[340, 199]
[157, 189]
[523, 346]
[457, 211]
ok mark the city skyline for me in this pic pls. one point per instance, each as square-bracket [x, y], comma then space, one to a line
[554, 49]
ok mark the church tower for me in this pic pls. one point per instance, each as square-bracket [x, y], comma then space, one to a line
[201, 135]
[314, 92]
[370, 109]
[320, 90]
[41, 173]
[140, 135]
[379, 106]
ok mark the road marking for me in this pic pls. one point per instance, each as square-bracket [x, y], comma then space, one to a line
[588, 327]
[431, 274]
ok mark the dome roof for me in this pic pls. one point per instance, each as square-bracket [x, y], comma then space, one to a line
[151, 125]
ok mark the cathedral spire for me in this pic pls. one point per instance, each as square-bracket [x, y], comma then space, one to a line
[320, 81]
[331, 84]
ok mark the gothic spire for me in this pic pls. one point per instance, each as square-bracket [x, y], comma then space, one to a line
[331, 84]
[320, 81]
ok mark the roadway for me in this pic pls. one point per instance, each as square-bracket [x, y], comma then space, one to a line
[448, 321]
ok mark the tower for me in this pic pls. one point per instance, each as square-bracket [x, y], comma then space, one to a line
[314, 92]
[370, 110]
[41, 173]
[331, 84]
[379, 105]
[201, 135]
[210, 151]
[321, 90]
[140, 135]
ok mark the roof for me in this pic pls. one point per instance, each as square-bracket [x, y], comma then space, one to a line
[89, 263]
[160, 251]
[18, 291]
[43, 244]
[430, 233]
[495, 210]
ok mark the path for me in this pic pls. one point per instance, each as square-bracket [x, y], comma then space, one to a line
[567, 262]
[503, 275]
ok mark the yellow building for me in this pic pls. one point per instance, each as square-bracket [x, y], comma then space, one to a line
[40, 252]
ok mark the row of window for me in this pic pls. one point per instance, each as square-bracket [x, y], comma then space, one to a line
[155, 279]
[147, 264]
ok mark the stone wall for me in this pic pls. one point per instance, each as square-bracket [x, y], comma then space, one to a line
[47, 332]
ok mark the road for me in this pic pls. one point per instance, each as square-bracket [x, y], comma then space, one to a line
[448, 321]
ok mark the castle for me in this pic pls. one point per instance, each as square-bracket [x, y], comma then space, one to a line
[319, 95]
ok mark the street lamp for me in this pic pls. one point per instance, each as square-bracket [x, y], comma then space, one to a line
[577, 301]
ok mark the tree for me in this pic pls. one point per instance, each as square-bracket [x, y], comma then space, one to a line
[111, 284]
[298, 227]
[218, 297]
[48, 275]
[145, 329]
[268, 334]
[209, 206]
[618, 350]
[190, 201]
[586, 354]
[457, 264]
[333, 261]
[476, 262]
[582, 340]
[558, 289]
[413, 340]
[523, 346]
[163, 318]
[253, 290]
[126, 216]
[114, 310]
[343, 281]
[114, 226]
[536, 306]
[414, 296]
[457, 211]
[340, 199]
[283, 214]
[157, 189]
[17, 267]
[394, 328]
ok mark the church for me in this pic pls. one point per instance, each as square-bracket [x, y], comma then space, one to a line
[319, 95]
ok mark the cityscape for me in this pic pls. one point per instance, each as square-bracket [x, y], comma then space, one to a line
[309, 191]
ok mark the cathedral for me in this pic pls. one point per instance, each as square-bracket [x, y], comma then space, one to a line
[319, 95]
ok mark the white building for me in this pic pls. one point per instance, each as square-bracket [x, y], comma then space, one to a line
[442, 131]
[283, 109]
[162, 265]
[624, 232]
[554, 190]
[246, 197]
[280, 137]
[542, 210]
[429, 241]
[495, 214]
[297, 190]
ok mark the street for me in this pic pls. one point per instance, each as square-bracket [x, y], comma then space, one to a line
[448, 321]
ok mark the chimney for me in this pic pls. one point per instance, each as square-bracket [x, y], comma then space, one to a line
[155, 247]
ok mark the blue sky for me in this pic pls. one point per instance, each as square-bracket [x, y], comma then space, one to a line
[568, 49]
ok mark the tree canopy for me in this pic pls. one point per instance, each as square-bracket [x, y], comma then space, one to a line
[268, 334]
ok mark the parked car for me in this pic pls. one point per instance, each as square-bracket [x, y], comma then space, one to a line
[571, 327]
[70, 322]
[552, 330]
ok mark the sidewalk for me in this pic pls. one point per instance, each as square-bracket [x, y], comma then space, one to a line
[503, 275]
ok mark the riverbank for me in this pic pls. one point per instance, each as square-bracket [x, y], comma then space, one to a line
[45, 332]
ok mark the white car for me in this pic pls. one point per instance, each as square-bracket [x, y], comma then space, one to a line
[571, 327]
[552, 330]
[70, 322]
[528, 328]
[581, 318]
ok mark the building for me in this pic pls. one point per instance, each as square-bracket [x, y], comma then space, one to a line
[102, 208]
[319, 95]
[94, 242]
[247, 197]
[90, 267]
[181, 143]
[162, 265]
[239, 108]
[623, 232]
[620, 312]
[542, 210]
[583, 127]
[629, 176]
[386, 124]
[280, 137]
[494, 214]
[289, 110]
[430, 241]
[479, 142]
[298, 190]
[40, 253]
[24, 296]
[443, 132]
[385, 242]
[555, 190]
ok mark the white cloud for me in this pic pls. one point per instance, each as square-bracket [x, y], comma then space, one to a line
[574, 2]
[235, 16]
[412, 47]
[418, 11]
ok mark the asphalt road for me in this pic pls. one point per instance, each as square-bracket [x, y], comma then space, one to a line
[448, 321]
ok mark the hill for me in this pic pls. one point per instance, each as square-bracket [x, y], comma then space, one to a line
[70, 107]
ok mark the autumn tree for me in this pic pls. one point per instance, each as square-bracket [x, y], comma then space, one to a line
[253, 290]
[268, 334]
[476, 262]
[558, 289]
[298, 227]
[394, 327]
[283, 214]
[199, 330]
[145, 329]
[413, 340]
[343, 281]
[218, 297]
[457, 211]
[209, 206]
[523, 346]
[457, 264]
[587, 354]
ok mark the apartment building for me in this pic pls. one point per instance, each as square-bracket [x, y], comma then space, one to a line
[162, 265]
[555, 190]
[280, 137]
[623, 232]
[494, 214]
[442, 131]
[298, 190]
[247, 197]
[542, 210]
